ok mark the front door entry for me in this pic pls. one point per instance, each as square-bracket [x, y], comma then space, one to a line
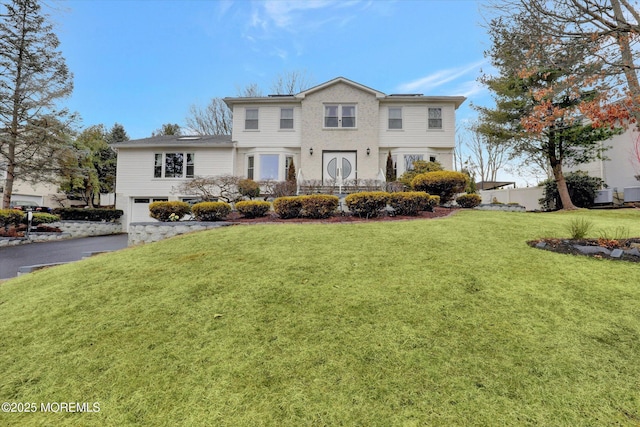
[338, 166]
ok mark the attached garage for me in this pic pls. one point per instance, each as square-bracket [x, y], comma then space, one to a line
[140, 208]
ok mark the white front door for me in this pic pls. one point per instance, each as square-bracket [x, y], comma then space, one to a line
[338, 167]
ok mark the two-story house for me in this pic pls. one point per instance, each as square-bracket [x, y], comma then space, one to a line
[338, 130]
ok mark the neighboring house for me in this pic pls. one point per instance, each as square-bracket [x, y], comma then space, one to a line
[339, 131]
[619, 168]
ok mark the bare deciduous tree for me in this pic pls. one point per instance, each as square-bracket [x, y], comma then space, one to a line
[210, 188]
[214, 119]
[291, 82]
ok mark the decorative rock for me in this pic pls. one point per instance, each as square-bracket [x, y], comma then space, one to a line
[592, 249]
[634, 252]
[616, 253]
[541, 245]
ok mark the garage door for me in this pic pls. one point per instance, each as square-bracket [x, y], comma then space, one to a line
[140, 208]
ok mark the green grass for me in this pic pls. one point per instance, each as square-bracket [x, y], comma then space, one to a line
[452, 321]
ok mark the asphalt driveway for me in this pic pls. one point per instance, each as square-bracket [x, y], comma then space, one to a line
[14, 257]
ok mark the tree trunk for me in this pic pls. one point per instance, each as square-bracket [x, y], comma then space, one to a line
[628, 66]
[8, 187]
[563, 190]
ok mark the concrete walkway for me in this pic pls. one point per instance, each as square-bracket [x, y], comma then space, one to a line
[14, 257]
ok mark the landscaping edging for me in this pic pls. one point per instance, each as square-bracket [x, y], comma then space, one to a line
[88, 228]
[148, 232]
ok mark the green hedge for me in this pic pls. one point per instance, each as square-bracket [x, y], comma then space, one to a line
[10, 217]
[288, 207]
[211, 211]
[249, 188]
[319, 205]
[409, 202]
[367, 204]
[445, 184]
[469, 200]
[162, 211]
[253, 208]
[89, 214]
[42, 218]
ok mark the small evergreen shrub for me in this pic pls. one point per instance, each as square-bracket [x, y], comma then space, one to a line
[89, 214]
[42, 218]
[288, 207]
[409, 202]
[211, 211]
[319, 205]
[469, 200]
[582, 190]
[162, 211]
[367, 204]
[249, 188]
[10, 217]
[433, 202]
[445, 184]
[419, 167]
[253, 208]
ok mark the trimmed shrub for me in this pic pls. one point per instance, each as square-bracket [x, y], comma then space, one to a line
[288, 207]
[249, 188]
[319, 205]
[211, 211]
[433, 202]
[89, 214]
[419, 167]
[445, 184]
[367, 204]
[409, 202]
[253, 208]
[10, 217]
[162, 211]
[42, 218]
[469, 200]
[582, 190]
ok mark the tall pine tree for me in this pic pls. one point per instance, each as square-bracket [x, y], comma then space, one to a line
[33, 80]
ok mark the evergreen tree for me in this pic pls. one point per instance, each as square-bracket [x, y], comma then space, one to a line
[33, 79]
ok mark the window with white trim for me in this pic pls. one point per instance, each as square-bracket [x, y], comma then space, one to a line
[269, 166]
[251, 119]
[339, 116]
[173, 165]
[395, 118]
[409, 159]
[435, 118]
[286, 118]
[250, 166]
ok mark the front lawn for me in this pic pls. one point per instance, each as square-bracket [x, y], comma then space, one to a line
[451, 321]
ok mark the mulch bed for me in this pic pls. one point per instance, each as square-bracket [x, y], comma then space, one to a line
[567, 246]
[438, 212]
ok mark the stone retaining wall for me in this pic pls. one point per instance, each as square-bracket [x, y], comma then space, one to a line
[147, 232]
[33, 237]
[88, 228]
[499, 207]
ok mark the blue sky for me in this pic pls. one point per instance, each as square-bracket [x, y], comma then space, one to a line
[143, 63]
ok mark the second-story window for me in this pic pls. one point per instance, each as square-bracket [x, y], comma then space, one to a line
[286, 118]
[435, 118]
[395, 117]
[340, 116]
[251, 119]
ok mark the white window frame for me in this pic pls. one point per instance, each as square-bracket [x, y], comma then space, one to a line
[429, 127]
[251, 166]
[186, 165]
[389, 118]
[408, 165]
[286, 119]
[340, 111]
[247, 120]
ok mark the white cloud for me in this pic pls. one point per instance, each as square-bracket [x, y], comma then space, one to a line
[430, 82]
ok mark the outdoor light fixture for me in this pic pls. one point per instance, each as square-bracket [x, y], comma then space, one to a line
[311, 151]
[368, 151]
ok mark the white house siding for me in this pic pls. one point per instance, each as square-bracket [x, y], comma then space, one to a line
[414, 131]
[364, 135]
[619, 169]
[268, 133]
[135, 178]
